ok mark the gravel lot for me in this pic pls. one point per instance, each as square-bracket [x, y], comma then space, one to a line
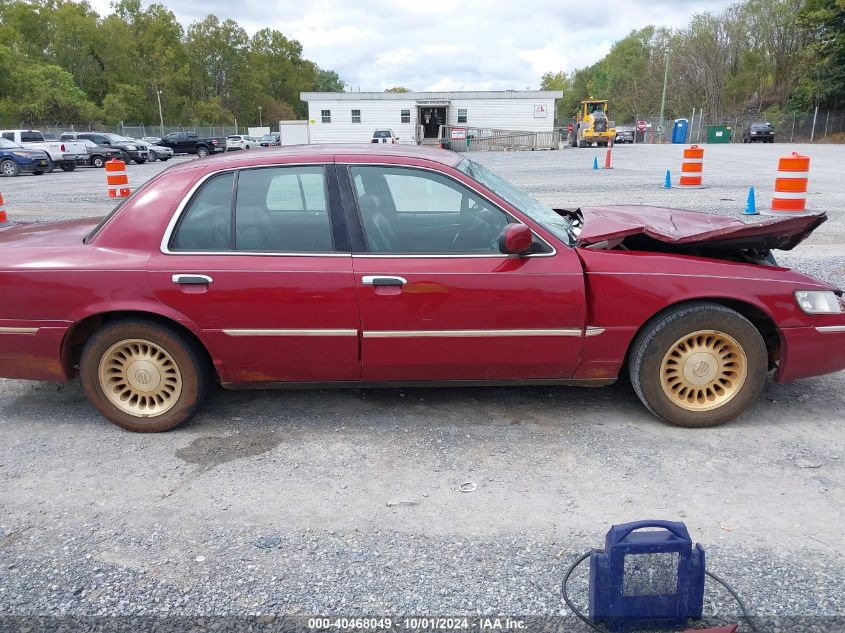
[343, 503]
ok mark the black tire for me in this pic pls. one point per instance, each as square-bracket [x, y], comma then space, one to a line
[50, 167]
[152, 157]
[98, 161]
[9, 168]
[68, 166]
[126, 158]
[202, 151]
[38, 173]
[184, 355]
[164, 158]
[140, 161]
[652, 374]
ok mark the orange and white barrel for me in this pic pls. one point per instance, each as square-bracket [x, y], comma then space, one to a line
[116, 179]
[3, 217]
[692, 166]
[791, 184]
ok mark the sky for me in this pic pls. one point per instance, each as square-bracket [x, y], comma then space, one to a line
[432, 45]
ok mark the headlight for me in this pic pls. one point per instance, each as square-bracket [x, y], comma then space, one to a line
[131, 148]
[818, 301]
[22, 155]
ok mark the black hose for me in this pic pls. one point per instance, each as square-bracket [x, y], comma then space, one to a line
[736, 597]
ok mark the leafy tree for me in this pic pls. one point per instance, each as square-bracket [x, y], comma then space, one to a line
[400, 89]
[328, 81]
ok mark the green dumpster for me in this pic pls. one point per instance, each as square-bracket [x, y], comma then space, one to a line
[718, 133]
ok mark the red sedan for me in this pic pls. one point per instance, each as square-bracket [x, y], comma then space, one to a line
[385, 265]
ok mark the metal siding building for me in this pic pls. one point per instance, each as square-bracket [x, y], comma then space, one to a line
[524, 110]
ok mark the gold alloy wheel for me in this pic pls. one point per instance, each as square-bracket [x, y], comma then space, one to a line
[703, 370]
[140, 378]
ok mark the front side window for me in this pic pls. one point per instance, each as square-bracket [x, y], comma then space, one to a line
[405, 116]
[356, 116]
[406, 210]
[462, 115]
[278, 209]
[326, 116]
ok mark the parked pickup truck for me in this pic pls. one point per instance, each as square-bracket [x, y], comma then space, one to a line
[190, 143]
[66, 155]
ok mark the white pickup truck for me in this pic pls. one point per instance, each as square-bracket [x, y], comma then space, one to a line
[65, 154]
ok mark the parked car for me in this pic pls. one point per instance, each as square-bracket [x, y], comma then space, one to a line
[158, 152]
[384, 136]
[190, 143]
[66, 154]
[16, 160]
[99, 156]
[240, 141]
[457, 277]
[272, 139]
[132, 150]
[624, 135]
[761, 131]
[152, 140]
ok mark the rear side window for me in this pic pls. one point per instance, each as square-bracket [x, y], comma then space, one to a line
[31, 137]
[283, 209]
[206, 224]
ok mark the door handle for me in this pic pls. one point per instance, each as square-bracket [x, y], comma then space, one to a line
[375, 280]
[192, 280]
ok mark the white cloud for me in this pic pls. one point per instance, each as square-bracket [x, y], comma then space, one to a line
[446, 44]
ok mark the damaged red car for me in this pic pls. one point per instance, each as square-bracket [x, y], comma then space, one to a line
[382, 266]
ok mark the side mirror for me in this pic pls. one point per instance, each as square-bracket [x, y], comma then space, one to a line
[515, 239]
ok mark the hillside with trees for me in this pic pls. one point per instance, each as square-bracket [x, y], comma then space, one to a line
[757, 57]
[61, 61]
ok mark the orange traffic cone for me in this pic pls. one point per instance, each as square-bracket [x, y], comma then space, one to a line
[3, 217]
[607, 155]
[691, 167]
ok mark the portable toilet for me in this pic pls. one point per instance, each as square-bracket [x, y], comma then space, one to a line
[680, 129]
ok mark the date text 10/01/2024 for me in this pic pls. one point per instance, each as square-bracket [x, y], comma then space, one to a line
[418, 624]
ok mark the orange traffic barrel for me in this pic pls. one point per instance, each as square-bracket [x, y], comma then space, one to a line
[791, 183]
[116, 179]
[692, 166]
[3, 217]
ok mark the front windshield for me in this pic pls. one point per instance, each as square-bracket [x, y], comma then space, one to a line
[117, 137]
[6, 144]
[555, 223]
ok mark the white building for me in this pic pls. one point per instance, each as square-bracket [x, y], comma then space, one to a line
[352, 117]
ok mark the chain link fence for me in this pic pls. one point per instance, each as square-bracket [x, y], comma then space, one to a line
[140, 130]
[815, 126]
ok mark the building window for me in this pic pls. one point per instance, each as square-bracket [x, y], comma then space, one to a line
[405, 116]
[462, 115]
[326, 115]
[356, 116]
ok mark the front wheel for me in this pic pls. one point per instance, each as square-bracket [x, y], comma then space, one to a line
[152, 157]
[698, 365]
[140, 161]
[68, 166]
[202, 152]
[9, 168]
[142, 376]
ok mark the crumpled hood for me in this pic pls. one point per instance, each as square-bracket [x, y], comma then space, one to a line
[612, 224]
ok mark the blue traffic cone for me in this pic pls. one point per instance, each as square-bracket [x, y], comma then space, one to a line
[595, 162]
[751, 205]
[667, 184]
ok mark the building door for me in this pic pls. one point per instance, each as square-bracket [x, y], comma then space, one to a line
[431, 119]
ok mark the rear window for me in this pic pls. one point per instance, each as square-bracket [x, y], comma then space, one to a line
[31, 137]
[381, 134]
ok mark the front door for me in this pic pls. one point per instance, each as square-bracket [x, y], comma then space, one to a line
[431, 119]
[439, 301]
[257, 261]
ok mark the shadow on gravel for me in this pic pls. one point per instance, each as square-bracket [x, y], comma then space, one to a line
[211, 451]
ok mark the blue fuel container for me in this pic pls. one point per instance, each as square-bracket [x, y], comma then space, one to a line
[646, 578]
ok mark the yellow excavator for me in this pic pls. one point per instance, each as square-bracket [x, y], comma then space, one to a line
[592, 125]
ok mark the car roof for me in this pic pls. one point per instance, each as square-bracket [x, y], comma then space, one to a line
[326, 152]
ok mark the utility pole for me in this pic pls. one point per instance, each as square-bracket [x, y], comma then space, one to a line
[260, 123]
[160, 115]
[663, 99]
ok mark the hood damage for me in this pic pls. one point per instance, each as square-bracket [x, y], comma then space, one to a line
[664, 230]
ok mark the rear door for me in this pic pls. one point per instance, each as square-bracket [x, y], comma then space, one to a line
[259, 259]
[439, 301]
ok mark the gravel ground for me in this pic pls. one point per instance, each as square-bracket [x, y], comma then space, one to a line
[275, 505]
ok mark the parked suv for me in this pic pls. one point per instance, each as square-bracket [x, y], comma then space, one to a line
[384, 136]
[270, 140]
[759, 131]
[98, 156]
[132, 150]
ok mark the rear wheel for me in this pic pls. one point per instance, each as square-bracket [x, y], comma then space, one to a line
[9, 168]
[202, 151]
[68, 166]
[152, 156]
[143, 376]
[699, 365]
[98, 161]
